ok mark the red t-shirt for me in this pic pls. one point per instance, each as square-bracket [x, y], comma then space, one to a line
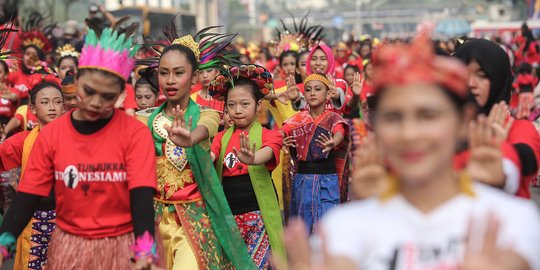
[7, 107]
[11, 151]
[20, 82]
[92, 174]
[231, 165]
[130, 102]
[212, 103]
[30, 117]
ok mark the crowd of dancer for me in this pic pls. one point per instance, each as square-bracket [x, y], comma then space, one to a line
[202, 152]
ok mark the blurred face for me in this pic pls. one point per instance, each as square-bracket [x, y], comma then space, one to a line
[207, 75]
[30, 57]
[242, 107]
[418, 128]
[227, 121]
[71, 101]
[289, 65]
[315, 93]
[145, 97]
[365, 50]
[301, 66]
[368, 71]
[65, 65]
[98, 94]
[175, 76]
[48, 105]
[349, 76]
[479, 83]
[537, 99]
[341, 52]
[319, 62]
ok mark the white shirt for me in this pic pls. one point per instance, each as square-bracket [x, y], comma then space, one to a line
[395, 235]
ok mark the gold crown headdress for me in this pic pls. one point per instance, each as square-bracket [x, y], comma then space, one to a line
[67, 50]
[209, 49]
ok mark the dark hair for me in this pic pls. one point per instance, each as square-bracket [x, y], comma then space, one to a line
[143, 81]
[249, 84]
[69, 79]
[40, 86]
[118, 79]
[286, 54]
[525, 68]
[75, 60]
[353, 67]
[4, 64]
[187, 52]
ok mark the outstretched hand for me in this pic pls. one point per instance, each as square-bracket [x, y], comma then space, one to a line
[369, 176]
[500, 120]
[334, 94]
[327, 142]
[179, 132]
[292, 90]
[288, 142]
[482, 251]
[246, 154]
[299, 253]
[357, 84]
[485, 163]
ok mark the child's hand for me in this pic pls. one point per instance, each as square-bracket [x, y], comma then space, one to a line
[357, 84]
[292, 90]
[485, 164]
[179, 132]
[246, 154]
[327, 142]
[287, 143]
[334, 94]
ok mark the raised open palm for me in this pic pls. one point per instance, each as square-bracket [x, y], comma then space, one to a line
[180, 132]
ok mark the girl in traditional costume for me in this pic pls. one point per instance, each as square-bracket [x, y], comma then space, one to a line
[46, 102]
[99, 162]
[321, 140]
[195, 221]
[245, 169]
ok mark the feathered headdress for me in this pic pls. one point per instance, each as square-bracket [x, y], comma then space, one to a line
[209, 47]
[301, 39]
[4, 35]
[109, 49]
[34, 33]
[225, 81]
[67, 50]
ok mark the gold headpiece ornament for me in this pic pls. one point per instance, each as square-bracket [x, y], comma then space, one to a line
[189, 42]
[67, 50]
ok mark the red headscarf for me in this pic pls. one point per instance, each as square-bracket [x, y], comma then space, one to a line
[417, 63]
[329, 56]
